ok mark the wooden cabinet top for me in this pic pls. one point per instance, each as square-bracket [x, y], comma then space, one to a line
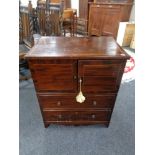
[103, 47]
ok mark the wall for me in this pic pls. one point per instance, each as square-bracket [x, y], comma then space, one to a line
[25, 2]
[75, 5]
[132, 15]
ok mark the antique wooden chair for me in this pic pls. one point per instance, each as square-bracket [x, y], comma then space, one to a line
[41, 13]
[26, 15]
[68, 21]
[54, 18]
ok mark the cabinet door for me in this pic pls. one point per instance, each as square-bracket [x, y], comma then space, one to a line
[54, 75]
[99, 76]
[104, 20]
[95, 20]
[111, 20]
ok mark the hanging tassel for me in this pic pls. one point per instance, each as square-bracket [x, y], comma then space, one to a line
[80, 97]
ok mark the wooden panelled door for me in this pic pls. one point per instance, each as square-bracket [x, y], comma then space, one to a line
[104, 20]
[53, 75]
[99, 76]
[111, 20]
[95, 20]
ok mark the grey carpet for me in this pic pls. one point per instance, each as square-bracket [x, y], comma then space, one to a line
[118, 139]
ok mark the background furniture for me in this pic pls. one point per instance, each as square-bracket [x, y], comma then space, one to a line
[53, 20]
[27, 24]
[124, 6]
[95, 68]
[41, 14]
[24, 72]
[82, 26]
[104, 19]
[125, 33]
[69, 19]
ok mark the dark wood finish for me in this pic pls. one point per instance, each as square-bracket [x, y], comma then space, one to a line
[76, 48]
[64, 115]
[125, 8]
[67, 4]
[57, 64]
[54, 75]
[83, 8]
[62, 101]
[125, 12]
[84, 13]
[102, 73]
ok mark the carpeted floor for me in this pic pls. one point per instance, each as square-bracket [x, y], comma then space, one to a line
[118, 139]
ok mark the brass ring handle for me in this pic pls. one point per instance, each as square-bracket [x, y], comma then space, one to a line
[80, 97]
[93, 116]
[94, 103]
[58, 103]
[60, 116]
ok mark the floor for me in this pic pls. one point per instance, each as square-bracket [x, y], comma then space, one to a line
[118, 139]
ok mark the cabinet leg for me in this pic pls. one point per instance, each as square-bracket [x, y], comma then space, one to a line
[108, 124]
[46, 125]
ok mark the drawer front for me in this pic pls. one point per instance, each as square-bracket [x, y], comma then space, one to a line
[69, 101]
[106, 6]
[77, 115]
[99, 76]
[54, 75]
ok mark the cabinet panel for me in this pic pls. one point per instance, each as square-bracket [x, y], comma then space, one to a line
[111, 21]
[55, 76]
[125, 12]
[96, 18]
[99, 75]
[104, 19]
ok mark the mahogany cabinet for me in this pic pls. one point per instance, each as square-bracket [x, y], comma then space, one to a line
[62, 66]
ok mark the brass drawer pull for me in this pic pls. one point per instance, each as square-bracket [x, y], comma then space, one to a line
[93, 116]
[59, 116]
[110, 6]
[94, 103]
[58, 103]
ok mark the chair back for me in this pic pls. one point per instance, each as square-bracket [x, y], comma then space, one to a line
[68, 14]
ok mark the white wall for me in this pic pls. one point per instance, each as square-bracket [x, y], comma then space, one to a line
[26, 2]
[132, 15]
[75, 5]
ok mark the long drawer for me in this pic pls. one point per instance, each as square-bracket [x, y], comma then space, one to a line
[89, 115]
[48, 101]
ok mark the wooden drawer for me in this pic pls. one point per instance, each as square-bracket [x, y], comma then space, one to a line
[69, 101]
[90, 115]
